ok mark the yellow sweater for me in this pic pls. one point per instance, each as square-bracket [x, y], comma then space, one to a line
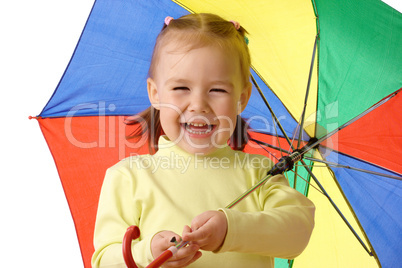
[167, 190]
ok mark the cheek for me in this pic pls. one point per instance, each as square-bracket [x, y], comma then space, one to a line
[173, 104]
[170, 122]
[168, 114]
[227, 120]
[229, 114]
[229, 108]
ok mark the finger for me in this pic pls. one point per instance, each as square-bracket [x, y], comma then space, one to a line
[200, 220]
[187, 235]
[183, 262]
[161, 241]
[187, 251]
[184, 256]
[186, 230]
[198, 235]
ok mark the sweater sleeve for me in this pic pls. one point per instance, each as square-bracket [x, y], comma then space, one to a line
[283, 227]
[115, 214]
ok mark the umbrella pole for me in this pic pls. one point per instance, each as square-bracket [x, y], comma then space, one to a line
[249, 191]
[285, 163]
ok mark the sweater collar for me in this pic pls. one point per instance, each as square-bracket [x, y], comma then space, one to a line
[167, 147]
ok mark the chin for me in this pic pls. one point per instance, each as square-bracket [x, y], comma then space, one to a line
[204, 150]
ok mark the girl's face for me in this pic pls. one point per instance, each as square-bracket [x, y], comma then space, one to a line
[199, 94]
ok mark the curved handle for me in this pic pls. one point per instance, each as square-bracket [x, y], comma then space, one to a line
[133, 232]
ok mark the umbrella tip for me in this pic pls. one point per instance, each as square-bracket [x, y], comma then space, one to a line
[32, 117]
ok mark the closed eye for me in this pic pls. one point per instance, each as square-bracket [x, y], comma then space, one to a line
[180, 88]
[218, 90]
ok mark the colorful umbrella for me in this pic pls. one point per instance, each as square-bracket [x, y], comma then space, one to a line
[330, 68]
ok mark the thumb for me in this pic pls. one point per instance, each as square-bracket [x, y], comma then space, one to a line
[194, 235]
[188, 234]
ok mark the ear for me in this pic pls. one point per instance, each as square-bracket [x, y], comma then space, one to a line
[153, 93]
[244, 97]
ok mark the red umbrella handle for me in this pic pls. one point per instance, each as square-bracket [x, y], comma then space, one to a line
[133, 232]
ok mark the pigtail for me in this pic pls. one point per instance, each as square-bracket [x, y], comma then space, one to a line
[147, 123]
[240, 137]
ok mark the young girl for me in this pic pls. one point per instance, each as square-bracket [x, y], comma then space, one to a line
[198, 86]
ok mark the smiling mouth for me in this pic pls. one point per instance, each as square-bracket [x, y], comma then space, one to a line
[198, 128]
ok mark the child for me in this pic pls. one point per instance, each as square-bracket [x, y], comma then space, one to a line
[198, 86]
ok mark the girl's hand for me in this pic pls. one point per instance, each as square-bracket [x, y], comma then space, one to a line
[208, 230]
[185, 256]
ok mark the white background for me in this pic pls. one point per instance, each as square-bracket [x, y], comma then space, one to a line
[37, 41]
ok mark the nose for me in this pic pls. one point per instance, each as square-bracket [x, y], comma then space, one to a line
[199, 104]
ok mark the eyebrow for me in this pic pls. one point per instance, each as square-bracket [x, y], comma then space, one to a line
[184, 81]
[175, 80]
[225, 83]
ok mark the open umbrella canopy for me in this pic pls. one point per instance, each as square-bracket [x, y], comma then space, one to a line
[330, 68]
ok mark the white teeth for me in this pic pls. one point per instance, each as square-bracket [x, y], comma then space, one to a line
[198, 125]
[198, 132]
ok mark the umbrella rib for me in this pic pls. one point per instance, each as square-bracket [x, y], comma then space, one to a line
[294, 137]
[260, 144]
[271, 111]
[314, 144]
[336, 208]
[324, 192]
[307, 92]
[277, 136]
[303, 115]
[269, 145]
[354, 168]
[309, 183]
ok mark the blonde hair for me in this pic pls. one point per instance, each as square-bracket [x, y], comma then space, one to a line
[198, 30]
[190, 32]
